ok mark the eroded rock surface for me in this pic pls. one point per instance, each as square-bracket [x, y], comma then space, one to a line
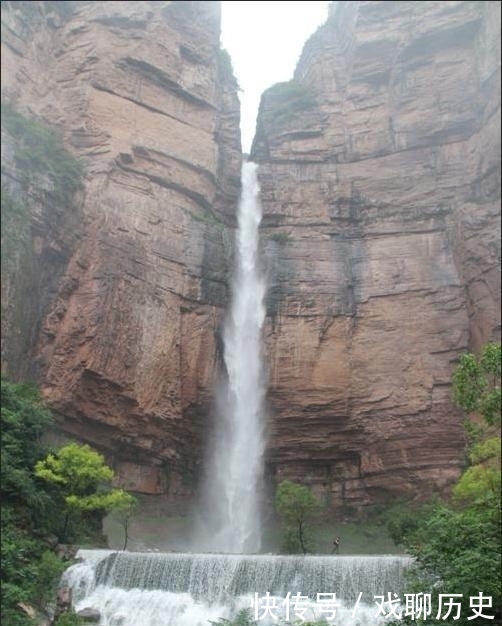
[380, 176]
[125, 350]
[380, 183]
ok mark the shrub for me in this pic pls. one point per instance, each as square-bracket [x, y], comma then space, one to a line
[69, 619]
[283, 101]
[40, 151]
[280, 237]
[243, 618]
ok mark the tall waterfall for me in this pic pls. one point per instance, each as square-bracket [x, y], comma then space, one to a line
[133, 589]
[231, 515]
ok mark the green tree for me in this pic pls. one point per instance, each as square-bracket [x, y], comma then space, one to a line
[476, 389]
[298, 508]
[74, 480]
[83, 482]
[123, 514]
[476, 383]
[458, 551]
[457, 545]
[482, 478]
[23, 420]
[29, 569]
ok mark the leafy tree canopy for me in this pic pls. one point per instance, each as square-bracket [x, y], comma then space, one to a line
[295, 502]
[73, 481]
[23, 420]
[298, 508]
[83, 481]
[476, 383]
[457, 545]
[79, 469]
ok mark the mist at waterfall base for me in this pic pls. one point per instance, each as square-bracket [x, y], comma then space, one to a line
[144, 589]
[229, 514]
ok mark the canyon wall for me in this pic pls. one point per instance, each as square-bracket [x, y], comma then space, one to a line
[380, 177]
[127, 279]
[379, 167]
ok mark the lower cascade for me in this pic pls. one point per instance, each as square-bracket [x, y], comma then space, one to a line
[174, 589]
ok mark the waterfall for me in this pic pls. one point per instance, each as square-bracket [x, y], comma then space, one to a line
[190, 589]
[170, 589]
[231, 493]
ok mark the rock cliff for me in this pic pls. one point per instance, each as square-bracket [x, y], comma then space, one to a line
[379, 167]
[380, 177]
[128, 277]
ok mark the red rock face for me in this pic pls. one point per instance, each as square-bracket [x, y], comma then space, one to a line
[126, 347]
[380, 175]
[380, 181]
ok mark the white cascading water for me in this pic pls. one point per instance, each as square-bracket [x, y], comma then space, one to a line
[231, 494]
[140, 589]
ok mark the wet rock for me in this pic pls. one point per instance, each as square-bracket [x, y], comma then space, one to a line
[27, 609]
[67, 552]
[89, 614]
[63, 602]
[51, 540]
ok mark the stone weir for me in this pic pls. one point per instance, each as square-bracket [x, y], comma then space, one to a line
[133, 588]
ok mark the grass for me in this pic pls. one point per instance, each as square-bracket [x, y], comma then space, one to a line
[39, 151]
[362, 537]
[369, 537]
[284, 101]
[149, 531]
[279, 237]
[153, 529]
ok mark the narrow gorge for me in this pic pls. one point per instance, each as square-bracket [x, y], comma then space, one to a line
[379, 171]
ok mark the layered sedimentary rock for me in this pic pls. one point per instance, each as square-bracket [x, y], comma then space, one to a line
[380, 177]
[379, 167]
[125, 341]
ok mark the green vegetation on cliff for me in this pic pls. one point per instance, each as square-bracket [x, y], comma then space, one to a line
[476, 383]
[39, 151]
[283, 101]
[279, 237]
[39, 183]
